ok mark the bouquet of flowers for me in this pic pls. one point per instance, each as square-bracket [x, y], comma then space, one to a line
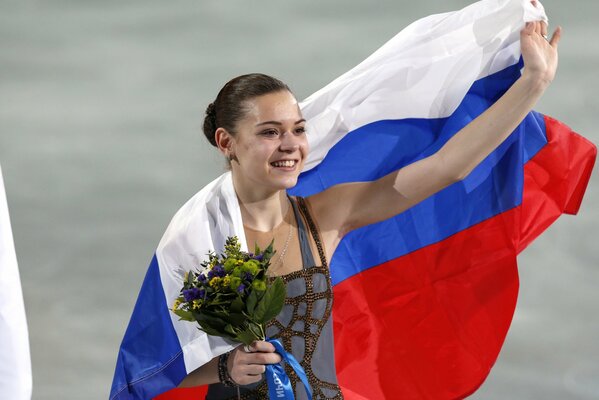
[230, 295]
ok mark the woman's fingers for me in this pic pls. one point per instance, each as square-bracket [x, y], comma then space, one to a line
[261, 352]
[254, 369]
[261, 345]
[557, 35]
[544, 28]
[529, 28]
[265, 352]
[541, 28]
[262, 358]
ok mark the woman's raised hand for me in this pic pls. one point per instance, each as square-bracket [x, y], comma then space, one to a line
[539, 54]
[246, 368]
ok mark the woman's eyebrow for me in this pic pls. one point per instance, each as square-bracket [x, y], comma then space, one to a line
[278, 123]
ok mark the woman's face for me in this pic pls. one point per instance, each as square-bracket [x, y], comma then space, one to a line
[270, 145]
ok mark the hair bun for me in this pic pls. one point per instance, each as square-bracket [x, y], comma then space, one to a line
[210, 124]
[211, 110]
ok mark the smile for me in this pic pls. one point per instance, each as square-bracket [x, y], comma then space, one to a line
[284, 164]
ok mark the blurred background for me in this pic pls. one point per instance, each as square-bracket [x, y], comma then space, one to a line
[101, 107]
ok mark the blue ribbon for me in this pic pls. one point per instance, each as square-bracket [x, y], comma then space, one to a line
[279, 386]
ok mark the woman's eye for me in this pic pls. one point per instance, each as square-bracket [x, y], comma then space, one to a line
[270, 132]
[300, 130]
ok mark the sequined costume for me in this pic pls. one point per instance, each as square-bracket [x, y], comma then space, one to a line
[304, 326]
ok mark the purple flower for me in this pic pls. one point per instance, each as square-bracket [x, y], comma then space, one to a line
[218, 270]
[193, 294]
[258, 257]
[202, 278]
[240, 288]
[248, 277]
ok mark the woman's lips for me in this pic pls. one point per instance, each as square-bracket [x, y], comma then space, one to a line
[285, 164]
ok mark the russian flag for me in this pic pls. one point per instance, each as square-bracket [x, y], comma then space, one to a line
[423, 301]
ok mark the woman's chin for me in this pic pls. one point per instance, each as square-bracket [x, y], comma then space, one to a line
[288, 183]
[286, 179]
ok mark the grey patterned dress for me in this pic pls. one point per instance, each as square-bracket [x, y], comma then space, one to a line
[304, 326]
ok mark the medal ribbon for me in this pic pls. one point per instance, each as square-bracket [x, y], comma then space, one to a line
[279, 385]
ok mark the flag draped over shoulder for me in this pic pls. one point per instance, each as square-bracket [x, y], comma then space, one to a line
[423, 301]
[15, 362]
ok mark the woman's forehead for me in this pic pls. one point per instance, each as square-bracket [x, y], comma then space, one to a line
[278, 106]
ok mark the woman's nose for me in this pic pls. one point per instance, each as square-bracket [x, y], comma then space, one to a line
[289, 142]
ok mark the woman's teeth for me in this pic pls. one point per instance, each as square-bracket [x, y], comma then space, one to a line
[287, 163]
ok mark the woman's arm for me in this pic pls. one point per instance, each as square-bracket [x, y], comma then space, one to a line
[345, 207]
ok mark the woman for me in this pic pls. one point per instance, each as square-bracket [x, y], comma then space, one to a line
[256, 123]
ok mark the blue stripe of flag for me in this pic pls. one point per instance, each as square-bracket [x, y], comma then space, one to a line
[381, 147]
[150, 359]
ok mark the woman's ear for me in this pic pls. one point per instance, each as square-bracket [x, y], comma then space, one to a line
[225, 142]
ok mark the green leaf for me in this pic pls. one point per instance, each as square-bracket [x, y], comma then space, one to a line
[237, 305]
[221, 317]
[216, 328]
[246, 337]
[252, 301]
[207, 318]
[270, 246]
[236, 319]
[229, 329]
[268, 253]
[209, 330]
[272, 302]
[184, 315]
[189, 280]
[256, 330]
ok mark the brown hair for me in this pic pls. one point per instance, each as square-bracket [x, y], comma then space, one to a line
[230, 104]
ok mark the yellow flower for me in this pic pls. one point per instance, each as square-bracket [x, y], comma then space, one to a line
[177, 304]
[226, 280]
[196, 304]
[214, 281]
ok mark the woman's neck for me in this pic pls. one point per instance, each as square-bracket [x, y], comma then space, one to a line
[262, 211]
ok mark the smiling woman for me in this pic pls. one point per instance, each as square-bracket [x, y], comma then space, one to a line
[256, 123]
[264, 139]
